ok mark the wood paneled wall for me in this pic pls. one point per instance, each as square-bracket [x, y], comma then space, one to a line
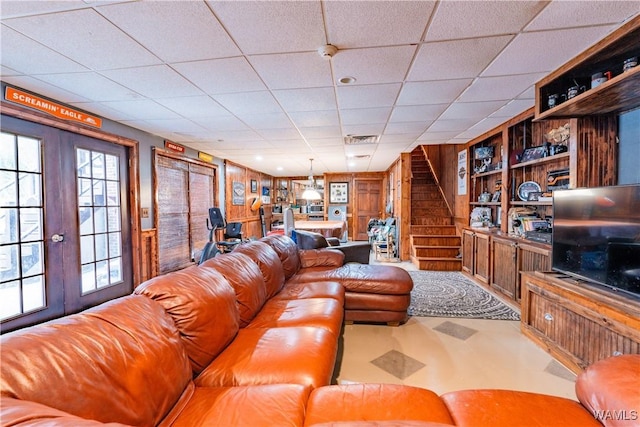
[251, 226]
[148, 255]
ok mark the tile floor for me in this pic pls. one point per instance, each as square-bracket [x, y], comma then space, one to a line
[447, 354]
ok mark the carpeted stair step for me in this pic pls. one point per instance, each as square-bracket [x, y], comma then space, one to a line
[431, 221]
[437, 264]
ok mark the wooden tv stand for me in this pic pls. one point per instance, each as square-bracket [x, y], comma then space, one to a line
[577, 322]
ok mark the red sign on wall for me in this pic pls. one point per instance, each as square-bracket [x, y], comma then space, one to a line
[173, 146]
[53, 108]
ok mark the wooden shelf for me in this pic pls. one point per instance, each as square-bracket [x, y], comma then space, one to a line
[485, 204]
[540, 161]
[480, 175]
[525, 203]
[619, 94]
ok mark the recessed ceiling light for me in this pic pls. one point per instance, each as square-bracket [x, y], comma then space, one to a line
[259, 158]
[279, 168]
[347, 80]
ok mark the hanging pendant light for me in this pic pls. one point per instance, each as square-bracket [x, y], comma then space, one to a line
[310, 193]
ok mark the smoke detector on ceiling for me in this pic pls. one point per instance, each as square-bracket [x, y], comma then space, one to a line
[327, 51]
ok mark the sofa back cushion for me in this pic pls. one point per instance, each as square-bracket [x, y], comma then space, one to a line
[287, 251]
[609, 389]
[269, 263]
[203, 305]
[245, 277]
[121, 362]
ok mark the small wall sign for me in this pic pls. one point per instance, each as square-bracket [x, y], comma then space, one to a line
[173, 146]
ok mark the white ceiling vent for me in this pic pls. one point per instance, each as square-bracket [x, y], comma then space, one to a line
[361, 139]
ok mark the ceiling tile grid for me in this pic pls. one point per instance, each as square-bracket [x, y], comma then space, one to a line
[244, 78]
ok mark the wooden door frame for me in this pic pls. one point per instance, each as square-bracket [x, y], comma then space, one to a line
[133, 157]
[381, 201]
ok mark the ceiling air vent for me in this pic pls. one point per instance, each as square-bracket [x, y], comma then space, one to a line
[361, 139]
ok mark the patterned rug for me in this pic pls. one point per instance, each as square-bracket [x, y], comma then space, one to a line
[451, 294]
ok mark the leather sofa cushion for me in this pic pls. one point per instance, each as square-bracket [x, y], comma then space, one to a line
[188, 295]
[498, 408]
[268, 262]
[290, 355]
[287, 252]
[624, 372]
[324, 313]
[255, 406]
[245, 277]
[120, 362]
[376, 279]
[375, 402]
[321, 258]
[301, 290]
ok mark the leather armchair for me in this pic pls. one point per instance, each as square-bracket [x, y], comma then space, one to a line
[353, 251]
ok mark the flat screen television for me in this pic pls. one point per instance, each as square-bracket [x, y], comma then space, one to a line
[596, 236]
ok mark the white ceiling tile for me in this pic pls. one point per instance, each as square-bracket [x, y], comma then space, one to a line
[374, 65]
[100, 110]
[583, 14]
[218, 76]
[364, 115]
[312, 99]
[237, 136]
[456, 58]
[364, 129]
[30, 57]
[315, 118]
[440, 136]
[86, 37]
[353, 24]
[467, 19]
[190, 31]
[267, 121]
[280, 134]
[12, 9]
[407, 128]
[436, 92]
[273, 26]
[471, 110]
[248, 102]
[452, 125]
[293, 70]
[142, 109]
[180, 125]
[513, 108]
[498, 88]
[98, 87]
[396, 139]
[45, 89]
[481, 127]
[158, 81]
[221, 123]
[325, 142]
[6, 71]
[369, 96]
[321, 132]
[412, 113]
[195, 106]
[554, 49]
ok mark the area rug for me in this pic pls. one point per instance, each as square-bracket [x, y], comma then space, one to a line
[451, 294]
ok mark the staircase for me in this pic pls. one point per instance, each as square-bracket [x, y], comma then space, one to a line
[434, 242]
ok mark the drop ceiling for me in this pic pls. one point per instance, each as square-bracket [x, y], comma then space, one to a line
[244, 81]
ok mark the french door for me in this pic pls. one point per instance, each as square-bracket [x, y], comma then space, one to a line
[65, 238]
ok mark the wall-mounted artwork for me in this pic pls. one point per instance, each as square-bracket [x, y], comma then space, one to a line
[339, 192]
[254, 186]
[237, 197]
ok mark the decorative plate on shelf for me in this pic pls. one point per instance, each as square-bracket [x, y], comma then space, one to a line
[527, 187]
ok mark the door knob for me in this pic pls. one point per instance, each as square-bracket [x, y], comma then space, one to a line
[57, 238]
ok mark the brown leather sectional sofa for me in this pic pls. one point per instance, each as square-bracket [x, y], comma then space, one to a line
[246, 340]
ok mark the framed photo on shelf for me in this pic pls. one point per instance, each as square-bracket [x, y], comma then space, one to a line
[533, 153]
[338, 192]
[533, 196]
[480, 153]
[254, 186]
[496, 196]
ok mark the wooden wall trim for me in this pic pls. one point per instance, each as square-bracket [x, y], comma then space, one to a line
[134, 167]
